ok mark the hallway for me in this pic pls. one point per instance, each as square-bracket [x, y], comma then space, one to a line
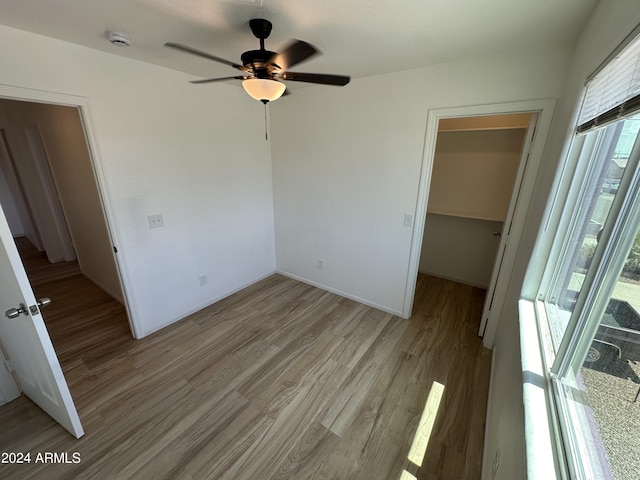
[83, 321]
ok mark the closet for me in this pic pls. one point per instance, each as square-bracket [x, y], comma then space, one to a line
[475, 166]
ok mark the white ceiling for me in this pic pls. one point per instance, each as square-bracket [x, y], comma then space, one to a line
[357, 37]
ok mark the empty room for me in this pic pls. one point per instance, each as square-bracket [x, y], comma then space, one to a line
[257, 239]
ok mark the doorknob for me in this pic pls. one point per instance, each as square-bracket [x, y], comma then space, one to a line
[15, 312]
[44, 301]
[497, 234]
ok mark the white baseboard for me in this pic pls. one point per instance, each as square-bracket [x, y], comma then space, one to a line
[116, 296]
[457, 280]
[208, 303]
[355, 298]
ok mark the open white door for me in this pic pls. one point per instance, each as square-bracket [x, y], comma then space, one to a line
[26, 341]
[498, 285]
[8, 388]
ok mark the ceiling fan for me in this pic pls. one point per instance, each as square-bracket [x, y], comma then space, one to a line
[263, 70]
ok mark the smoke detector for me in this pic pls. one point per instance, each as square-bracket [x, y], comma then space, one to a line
[119, 39]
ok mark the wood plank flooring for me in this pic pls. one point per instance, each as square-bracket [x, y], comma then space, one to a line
[279, 381]
[38, 268]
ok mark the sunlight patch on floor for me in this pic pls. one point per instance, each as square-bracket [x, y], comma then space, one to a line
[423, 433]
[407, 476]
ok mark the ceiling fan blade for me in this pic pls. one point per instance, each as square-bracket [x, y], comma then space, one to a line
[322, 78]
[222, 79]
[297, 51]
[208, 56]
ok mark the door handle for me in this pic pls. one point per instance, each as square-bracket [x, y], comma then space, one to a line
[22, 309]
[497, 234]
[15, 312]
[44, 301]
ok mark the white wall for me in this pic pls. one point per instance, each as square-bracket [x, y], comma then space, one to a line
[38, 190]
[196, 154]
[474, 173]
[610, 23]
[14, 202]
[347, 164]
[460, 249]
[9, 204]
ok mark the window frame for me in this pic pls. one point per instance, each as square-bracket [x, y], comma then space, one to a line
[619, 231]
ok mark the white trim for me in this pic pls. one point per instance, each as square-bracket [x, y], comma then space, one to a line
[545, 108]
[494, 298]
[488, 420]
[82, 103]
[454, 279]
[208, 303]
[542, 455]
[115, 295]
[341, 293]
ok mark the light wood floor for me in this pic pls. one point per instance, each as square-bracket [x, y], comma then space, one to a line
[279, 381]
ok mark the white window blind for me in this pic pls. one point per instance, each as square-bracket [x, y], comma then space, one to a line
[614, 91]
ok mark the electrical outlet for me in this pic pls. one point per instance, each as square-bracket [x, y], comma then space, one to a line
[203, 279]
[156, 221]
[320, 264]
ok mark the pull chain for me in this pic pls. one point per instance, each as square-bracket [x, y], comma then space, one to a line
[266, 135]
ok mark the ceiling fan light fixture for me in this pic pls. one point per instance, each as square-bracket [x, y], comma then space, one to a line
[264, 90]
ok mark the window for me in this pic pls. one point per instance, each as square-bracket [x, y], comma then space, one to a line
[589, 308]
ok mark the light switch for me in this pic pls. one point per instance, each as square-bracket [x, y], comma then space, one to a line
[408, 220]
[156, 221]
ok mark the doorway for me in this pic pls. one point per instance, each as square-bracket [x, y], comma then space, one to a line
[51, 163]
[475, 167]
[50, 193]
[46, 155]
[541, 111]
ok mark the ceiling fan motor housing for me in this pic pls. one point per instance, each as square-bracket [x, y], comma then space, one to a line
[258, 61]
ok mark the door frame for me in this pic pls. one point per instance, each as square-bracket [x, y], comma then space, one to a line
[11, 92]
[493, 294]
[544, 108]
